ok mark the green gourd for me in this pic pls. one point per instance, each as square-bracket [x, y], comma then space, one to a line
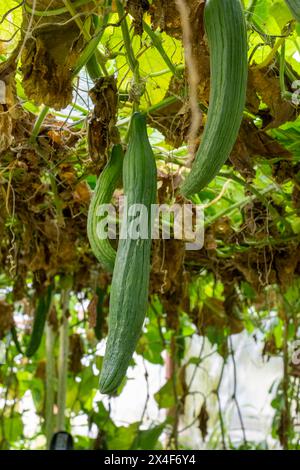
[105, 187]
[227, 39]
[39, 321]
[130, 282]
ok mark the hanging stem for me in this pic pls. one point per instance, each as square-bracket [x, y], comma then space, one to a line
[50, 379]
[286, 413]
[282, 64]
[63, 362]
[85, 32]
[92, 65]
[132, 61]
[134, 65]
[157, 43]
[87, 54]
[38, 123]
[251, 8]
[222, 426]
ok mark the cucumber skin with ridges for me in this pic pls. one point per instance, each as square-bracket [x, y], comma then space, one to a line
[129, 289]
[105, 187]
[294, 6]
[227, 38]
[39, 322]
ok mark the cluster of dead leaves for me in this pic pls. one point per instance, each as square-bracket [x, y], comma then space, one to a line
[102, 130]
[50, 51]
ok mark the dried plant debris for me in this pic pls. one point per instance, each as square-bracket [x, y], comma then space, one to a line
[167, 265]
[48, 231]
[165, 16]
[268, 265]
[136, 9]
[267, 87]
[168, 278]
[102, 130]
[203, 419]
[253, 143]
[213, 315]
[286, 261]
[6, 318]
[15, 123]
[76, 351]
[51, 48]
[173, 120]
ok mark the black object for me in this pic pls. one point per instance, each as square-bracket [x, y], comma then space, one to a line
[61, 440]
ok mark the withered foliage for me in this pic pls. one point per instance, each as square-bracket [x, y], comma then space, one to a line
[165, 16]
[214, 314]
[137, 8]
[174, 120]
[203, 420]
[51, 48]
[168, 278]
[15, 122]
[265, 84]
[76, 351]
[43, 210]
[102, 130]
[6, 318]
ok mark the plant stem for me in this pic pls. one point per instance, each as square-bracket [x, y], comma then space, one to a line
[286, 415]
[132, 61]
[251, 8]
[272, 54]
[38, 123]
[237, 205]
[50, 379]
[85, 32]
[92, 65]
[282, 64]
[157, 43]
[63, 363]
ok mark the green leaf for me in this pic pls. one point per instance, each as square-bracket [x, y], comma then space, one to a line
[146, 440]
[122, 437]
[13, 427]
[281, 13]
[165, 397]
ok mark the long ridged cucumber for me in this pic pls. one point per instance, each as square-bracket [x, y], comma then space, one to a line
[40, 317]
[294, 6]
[227, 38]
[129, 289]
[105, 187]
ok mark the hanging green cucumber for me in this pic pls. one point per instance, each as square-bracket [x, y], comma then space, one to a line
[39, 321]
[294, 6]
[105, 187]
[227, 38]
[130, 282]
